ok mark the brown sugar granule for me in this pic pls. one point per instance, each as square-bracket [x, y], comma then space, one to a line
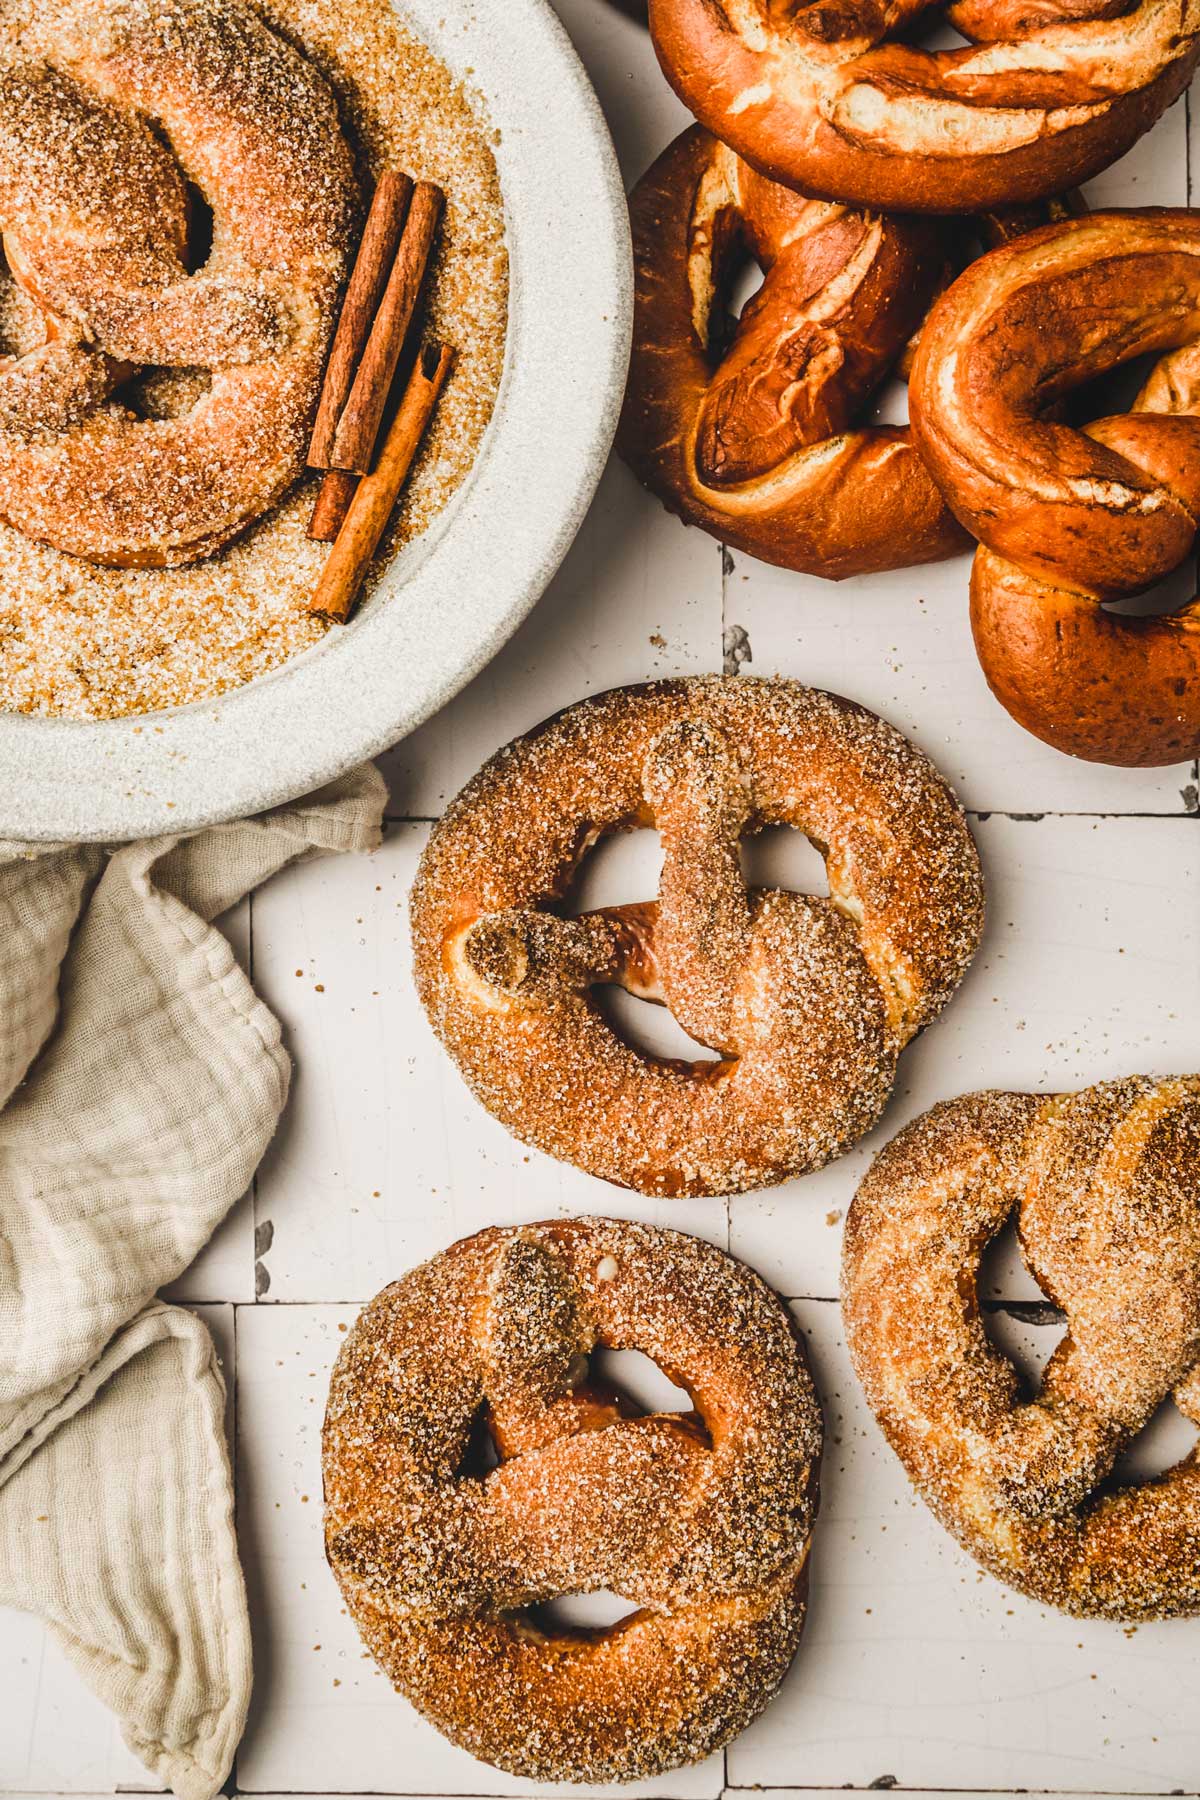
[79, 641]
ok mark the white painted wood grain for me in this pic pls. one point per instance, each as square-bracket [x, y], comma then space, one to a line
[1090, 969]
[637, 597]
[384, 1157]
[919, 1667]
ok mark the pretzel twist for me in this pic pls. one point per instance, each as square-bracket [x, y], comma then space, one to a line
[752, 438]
[1105, 1185]
[807, 1001]
[96, 219]
[810, 92]
[702, 1519]
[1069, 519]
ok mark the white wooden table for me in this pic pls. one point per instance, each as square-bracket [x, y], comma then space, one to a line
[917, 1671]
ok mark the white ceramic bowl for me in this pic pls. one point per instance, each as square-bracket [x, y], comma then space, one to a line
[450, 600]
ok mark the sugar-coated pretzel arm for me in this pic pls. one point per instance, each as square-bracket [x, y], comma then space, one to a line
[830, 100]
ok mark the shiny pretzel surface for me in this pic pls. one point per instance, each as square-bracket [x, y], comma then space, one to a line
[822, 94]
[1070, 518]
[1105, 1189]
[807, 1001]
[107, 120]
[701, 1519]
[749, 431]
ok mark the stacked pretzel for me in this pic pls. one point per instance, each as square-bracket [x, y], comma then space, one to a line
[754, 428]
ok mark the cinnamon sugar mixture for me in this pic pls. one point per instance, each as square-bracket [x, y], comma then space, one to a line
[79, 641]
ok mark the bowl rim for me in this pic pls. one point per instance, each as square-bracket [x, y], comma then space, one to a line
[448, 602]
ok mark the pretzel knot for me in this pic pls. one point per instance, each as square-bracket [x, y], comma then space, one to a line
[102, 129]
[1069, 519]
[751, 438]
[806, 1001]
[1105, 1185]
[701, 1519]
[1046, 94]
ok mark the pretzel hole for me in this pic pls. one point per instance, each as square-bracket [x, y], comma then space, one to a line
[481, 1455]
[1177, 590]
[200, 230]
[1003, 1273]
[1026, 1333]
[572, 1614]
[165, 393]
[626, 866]
[745, 280]
[780, 857]
[621, 867]
[638, 1379]
[1167, 1439]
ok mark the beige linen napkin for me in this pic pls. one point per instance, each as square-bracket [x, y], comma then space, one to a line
[141, 1080]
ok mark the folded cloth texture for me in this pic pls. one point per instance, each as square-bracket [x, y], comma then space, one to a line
[141, 1080]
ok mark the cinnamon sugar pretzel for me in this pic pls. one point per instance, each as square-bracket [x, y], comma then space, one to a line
[1105, 1185]
[1070, 518]
[701, 1519]
[98, 141]
[808, 1001]
[821, 95]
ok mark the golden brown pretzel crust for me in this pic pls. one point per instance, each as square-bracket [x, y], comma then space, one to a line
[753, 443]
[812, 94]
[700, 1519]
[94, 214]
[1071, 518]
[808, 1001]
[1106, 1186]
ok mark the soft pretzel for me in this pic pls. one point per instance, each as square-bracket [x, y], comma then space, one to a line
[701, 1519]
[96, 148]
[752, 440]
[807, 1001]
[813, 93]
[1105, 1185]
[1070, 518]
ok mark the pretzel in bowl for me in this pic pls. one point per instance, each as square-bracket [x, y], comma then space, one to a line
[752, 440]
[1068, 518]
[806, 1001]
[701, 1519]
[1105, 1186]
[97, 147]
[818, 94]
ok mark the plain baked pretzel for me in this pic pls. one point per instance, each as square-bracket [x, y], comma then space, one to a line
[819, 94]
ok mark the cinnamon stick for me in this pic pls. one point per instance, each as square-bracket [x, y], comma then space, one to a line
[372, 266]
[361, 418]
[372, 505]
[333, 503]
